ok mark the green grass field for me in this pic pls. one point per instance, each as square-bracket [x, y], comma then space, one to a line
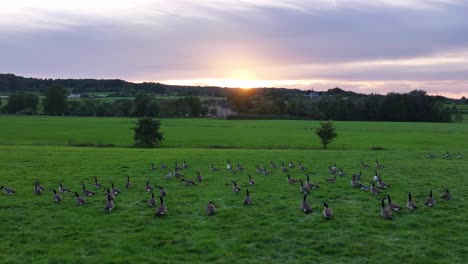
[37, 230]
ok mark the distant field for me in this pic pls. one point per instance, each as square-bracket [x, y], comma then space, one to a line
[207, 133]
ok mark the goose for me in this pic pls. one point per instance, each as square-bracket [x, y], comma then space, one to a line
[199, 177]
[363, 187]
[364, 166]
[148, 187]
[247, 199]
[86, 192]
[176, 166]
[446, 155]
[354, 183]
[265, 171]
[63, 189]
[391, 206]
[376, 176]
[430, 200]
[162, 191]
[163, 165]
[378, 165]
[309, 185]
[459, 156]
[161, 211]
[188, 182]
[332, 180]
[385, 212]
[128, 184]
[185, 165]
[332, 169]
[152, 200]
[301, 166]
[228, 165]
[79, 200]
[341, 173]
[153, 168]
[302, 188]
[110, 203]
[37, 189]
[430, 155]
[57, 197]
[273, 166]
[251, 181]
[235, 188]
[7, 191]
[168, 176]
[291, 164]
[358, 176]
[283, 168]
[96, 183]
[327, 211]
[258, 169]
[177, 173]
[210, 208]
[39, 185]
[115, 191]
[446, 195]
[410, 203]
[213, 168]
[240, 168]
[291, 180]
[305, 207]
[381, 184]
[109, 193]
[374, 190]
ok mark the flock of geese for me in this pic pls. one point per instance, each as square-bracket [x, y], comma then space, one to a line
[376, 187]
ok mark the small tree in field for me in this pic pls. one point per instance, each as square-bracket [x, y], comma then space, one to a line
[147, 133]
[326, 133]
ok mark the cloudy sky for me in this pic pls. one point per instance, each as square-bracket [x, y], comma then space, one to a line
[365, 46]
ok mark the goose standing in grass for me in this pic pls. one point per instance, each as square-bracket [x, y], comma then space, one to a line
[85, 191]
[63, 189]
[162, 191]
[332, 180]
[258, 169]
[283, 168]
[152, 200]
[410, 204]
[168, 175]
[430, 200]
[291, 164]
[228, 165]
[332, 169]
[273, 166]
[247, 199]
[199, 177]
[114, 189]
[381, 184]
[235, 188]
[358, 176]
[310, 185]
[364, 166]
[265, 171]
[188, 182]
[376, 176]
[110, 205]
[79, 200]
[57, 197]
[354, 183]
[305, 207]
[341, 173]
[210, 208]
[185, 165]
[363, 187]
[161, 211]
[446, 155]
[327, 211]
[378, 165]
[374, 190]
[301, 166]
[302, 188]
[39, 185]
[153, 168]
[446, 195]
[37, 189]
[251, 181]
[108, 192]
[430, 155]
[7, 191]
[240, 168]
[148, 187]
[176, 166]
[96, 183]
[177, 173]
[213, 168]
[459, 156]
[385, 212]
[392, 206]
[163, 165]
[128, 184]
[291, 180]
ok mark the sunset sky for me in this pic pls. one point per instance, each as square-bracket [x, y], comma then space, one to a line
[365, 46]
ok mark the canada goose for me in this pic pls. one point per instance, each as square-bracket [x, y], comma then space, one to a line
[37, 189]
[148, 187]
[63, 189]
[446, 155]
[273, 166]
[305, 207]
[251, 181]
[96, 183]
[235, 188]
[162, 191]
[168, 176]
[358, 176]
[161, 211]
[185, 165]
[7, 191]
[163, 165]
[354, 183]
[240, 168]
[332, 180]
[109, 193]
[228, 165]
[283, 168]
[391, 206]
[376, 176]
[381, 184]
[459, 156]
[258, 169]
[291, 164]
[327, 211]
[385, 212]
[57, 197]
[247, 199]
[301, 166]
[210, 208]
[115, 191]
[176, 166]
[446, 195]
[110, 203]
[378, 165]
[374, 190]
[152, 200]
[310, 185]
[188, 182]
[39, 185]
[411, 204]
[430, 155]
[177, 173]
[302, 188]
[86, 192]
[291, 180]
[79, 200]
[363, 187]
[213, 168]
[153, 168]
[332, 169]
[341, 173]
[128, 184]
[364, 166]
[430, 200]
[265, 171]
[199, 177]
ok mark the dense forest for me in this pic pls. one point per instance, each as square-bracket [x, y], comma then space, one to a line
[160, 100]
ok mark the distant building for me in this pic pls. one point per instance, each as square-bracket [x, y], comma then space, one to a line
[73, 96]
